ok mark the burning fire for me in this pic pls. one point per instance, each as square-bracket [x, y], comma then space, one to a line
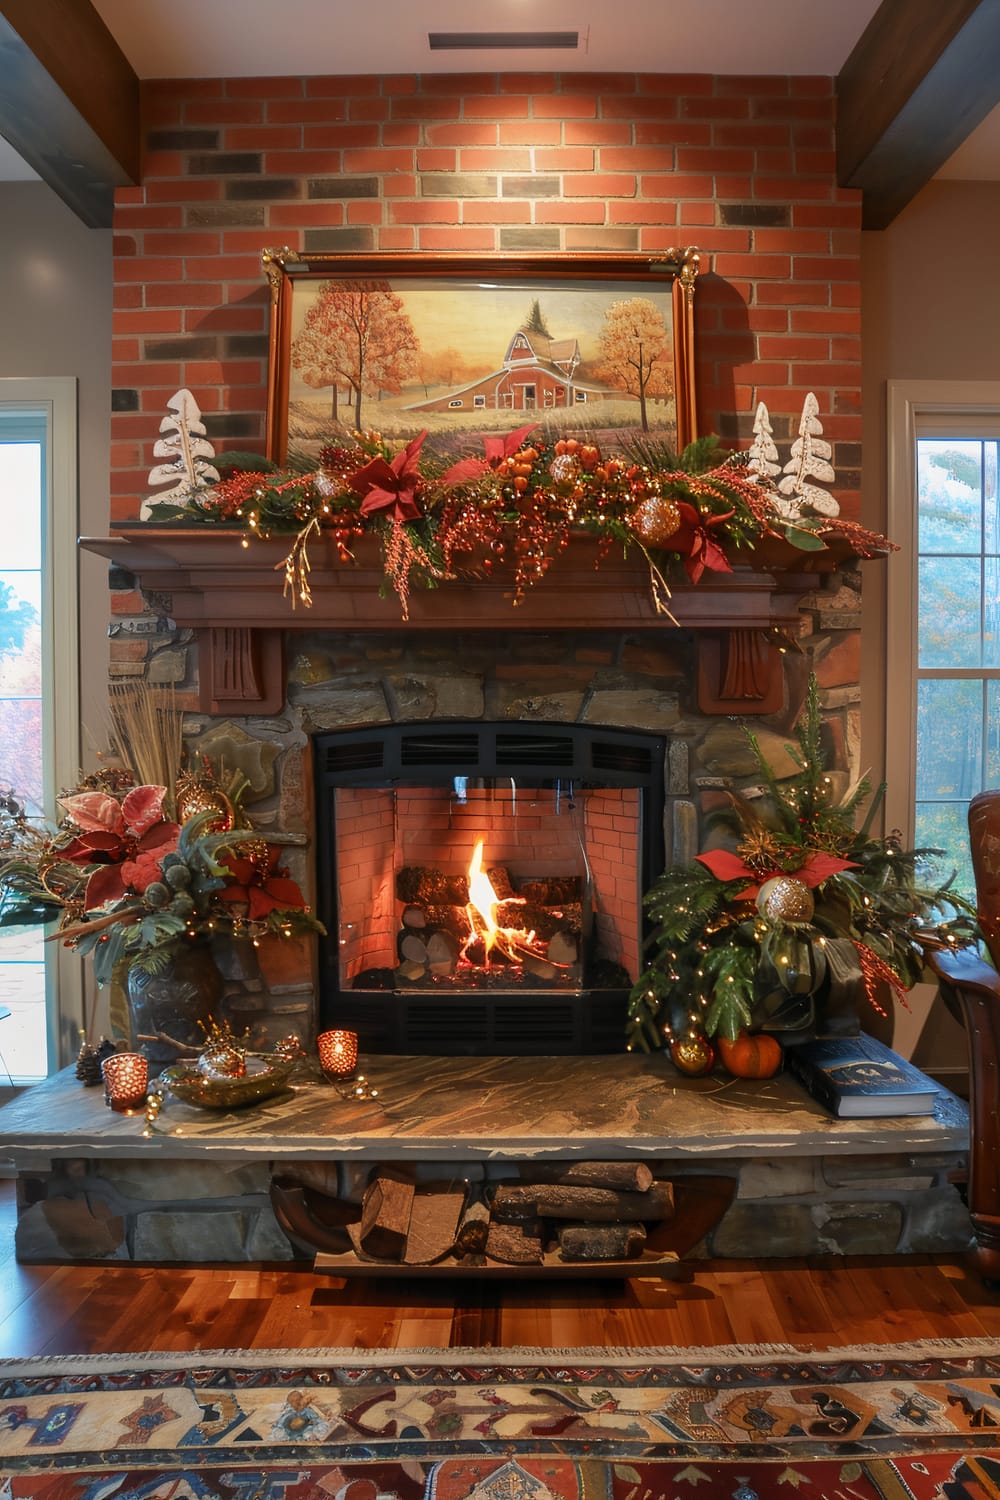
[512, 942]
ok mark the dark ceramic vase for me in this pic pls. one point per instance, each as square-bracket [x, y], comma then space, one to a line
[170, 1011]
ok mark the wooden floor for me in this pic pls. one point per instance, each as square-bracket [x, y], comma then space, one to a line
[817, 1303]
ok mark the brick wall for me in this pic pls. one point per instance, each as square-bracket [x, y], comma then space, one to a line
[488, 164]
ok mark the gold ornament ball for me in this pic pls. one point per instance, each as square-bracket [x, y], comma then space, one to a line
[564, 467]
[222, 1060]
[655, 520]
[785, 899]
[692, 1055]
[196, 796]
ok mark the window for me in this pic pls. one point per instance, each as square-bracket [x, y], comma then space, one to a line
[479, 402]
[943, 697]
[39, 735]
[456, 401]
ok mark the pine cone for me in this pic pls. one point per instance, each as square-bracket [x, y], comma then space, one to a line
[88, 1066]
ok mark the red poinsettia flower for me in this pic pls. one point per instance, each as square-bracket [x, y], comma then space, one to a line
[496, 450]
[693, 539]
[262, 887]
[390, 487]
[814, 869]
[126, 840]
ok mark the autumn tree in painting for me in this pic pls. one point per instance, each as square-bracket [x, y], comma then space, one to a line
[635, 352]
[356, 334]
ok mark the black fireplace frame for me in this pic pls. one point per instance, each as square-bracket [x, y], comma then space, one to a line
[433, 753]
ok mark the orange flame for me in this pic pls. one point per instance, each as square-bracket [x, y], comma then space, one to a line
[513, 942]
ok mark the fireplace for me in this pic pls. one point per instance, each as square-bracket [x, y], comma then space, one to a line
[481, 883]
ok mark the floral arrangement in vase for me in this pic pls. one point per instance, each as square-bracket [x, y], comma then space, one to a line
[791, 918]
[135, 874]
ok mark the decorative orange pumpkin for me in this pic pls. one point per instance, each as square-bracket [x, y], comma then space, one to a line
[757, 1056]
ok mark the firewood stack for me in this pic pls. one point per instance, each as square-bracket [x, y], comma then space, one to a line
[579, 1212]
[434, 925]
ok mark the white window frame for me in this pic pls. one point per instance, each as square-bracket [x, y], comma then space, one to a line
[55, 397]
[970, 408]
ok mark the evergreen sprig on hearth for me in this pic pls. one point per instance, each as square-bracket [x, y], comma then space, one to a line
[793, 910]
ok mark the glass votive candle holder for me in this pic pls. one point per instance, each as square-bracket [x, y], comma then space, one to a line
[338, 1053]
[126, 1075]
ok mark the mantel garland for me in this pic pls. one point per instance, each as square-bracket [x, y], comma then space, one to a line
[520, 500]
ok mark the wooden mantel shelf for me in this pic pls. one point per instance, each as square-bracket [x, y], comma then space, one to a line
[232, 593]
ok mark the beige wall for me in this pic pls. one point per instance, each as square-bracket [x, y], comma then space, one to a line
[55, 319]
[930, 310]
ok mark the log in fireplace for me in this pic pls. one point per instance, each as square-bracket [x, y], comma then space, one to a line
[481, 883]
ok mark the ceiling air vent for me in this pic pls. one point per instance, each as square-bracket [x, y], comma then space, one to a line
[353, 755]
[496, 41]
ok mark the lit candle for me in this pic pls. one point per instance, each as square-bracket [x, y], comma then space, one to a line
[338, 1053]
[125, 1075]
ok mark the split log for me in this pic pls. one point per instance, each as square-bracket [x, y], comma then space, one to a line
[529, 918]
[453, 919]
[409, 971]
[411, 947]
[472, 1231]
[515, 1244]
[598, 1242]
[437, 1208]
[385, 1215]
[634, 1176]
[553, 891]
[590, 1204]
[414, 917]
[563, 949]
[419, 883]
[499, 879]
[442, 953]
[512, 1203]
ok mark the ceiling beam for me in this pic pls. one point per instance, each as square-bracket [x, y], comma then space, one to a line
[921, 78]
[69, 102]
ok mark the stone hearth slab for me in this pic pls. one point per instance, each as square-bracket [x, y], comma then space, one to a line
[91, 1185]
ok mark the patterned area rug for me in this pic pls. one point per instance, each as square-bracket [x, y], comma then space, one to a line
[916, 1421]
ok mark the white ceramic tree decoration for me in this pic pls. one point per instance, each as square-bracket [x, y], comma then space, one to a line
[763, 458]
[810, 459]
[186, 451]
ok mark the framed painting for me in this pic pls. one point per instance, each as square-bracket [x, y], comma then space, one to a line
[589, 346]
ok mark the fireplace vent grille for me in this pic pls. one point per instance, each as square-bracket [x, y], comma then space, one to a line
[536, 750]
[457, 750]
[346, 755]
[621, 756]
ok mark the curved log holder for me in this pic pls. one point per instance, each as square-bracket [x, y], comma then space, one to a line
[973, 987]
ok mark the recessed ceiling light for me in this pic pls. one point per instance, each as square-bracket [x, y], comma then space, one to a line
[455, 41]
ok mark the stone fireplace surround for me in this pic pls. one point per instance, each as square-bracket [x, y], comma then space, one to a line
[90, 1185]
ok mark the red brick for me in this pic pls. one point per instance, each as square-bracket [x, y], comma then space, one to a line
[693, 214]
[831, 320]
[182, 294]
[128, 195]
[775, 267]
[830, 374]
[464, 135]
[363, 211]
[401, 133]
[368, 109]
[462, 240]
[306, 215]
[503, 107]
[458, 84]
[814, 267]
[215, 371]
[265, 88]
[399, 185]
[600, 185]
[306, 111]
[162, 164]
[842, 216]
[736, 108]
[226, 267]
[436, 211]
[751, 85]
[678, 84]
[627, 211]
[302, 163]
[565, 159]
[216, 112]
[124, 350]
[548, 211]
[240, 319]
[565, 107]
[526, 83]
[127, 296]
[494, 160]
[609, 241]
[651, 159]
[674, 134]
[193, 242]
[408, 108]
[791, 241]
[184, 190]
[400, 83]
[437, 159]
[356, 86]
[820, 163]
[340, 137]
[530, 132]
[734, 239]
[154, 321]
[148, 268]
[791, 189]
[793, 109]
[754, 134]
[383, 161]
[735, 189]
[490, 211]
[123, 244]
[811, 294]
[393, 237]
[158, 373]
[169, 216]
[789, 347]
[126, 601]
[638, 108]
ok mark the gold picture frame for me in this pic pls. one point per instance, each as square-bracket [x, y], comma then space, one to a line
[465, 345]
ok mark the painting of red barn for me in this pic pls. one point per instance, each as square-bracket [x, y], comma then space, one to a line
[597, 346]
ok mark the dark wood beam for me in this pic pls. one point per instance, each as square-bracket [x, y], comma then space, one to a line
[922, 76]
[69, 102]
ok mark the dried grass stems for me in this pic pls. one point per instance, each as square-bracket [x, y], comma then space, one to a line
[146, 733]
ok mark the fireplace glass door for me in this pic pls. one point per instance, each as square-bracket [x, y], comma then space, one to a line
[491, 905]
